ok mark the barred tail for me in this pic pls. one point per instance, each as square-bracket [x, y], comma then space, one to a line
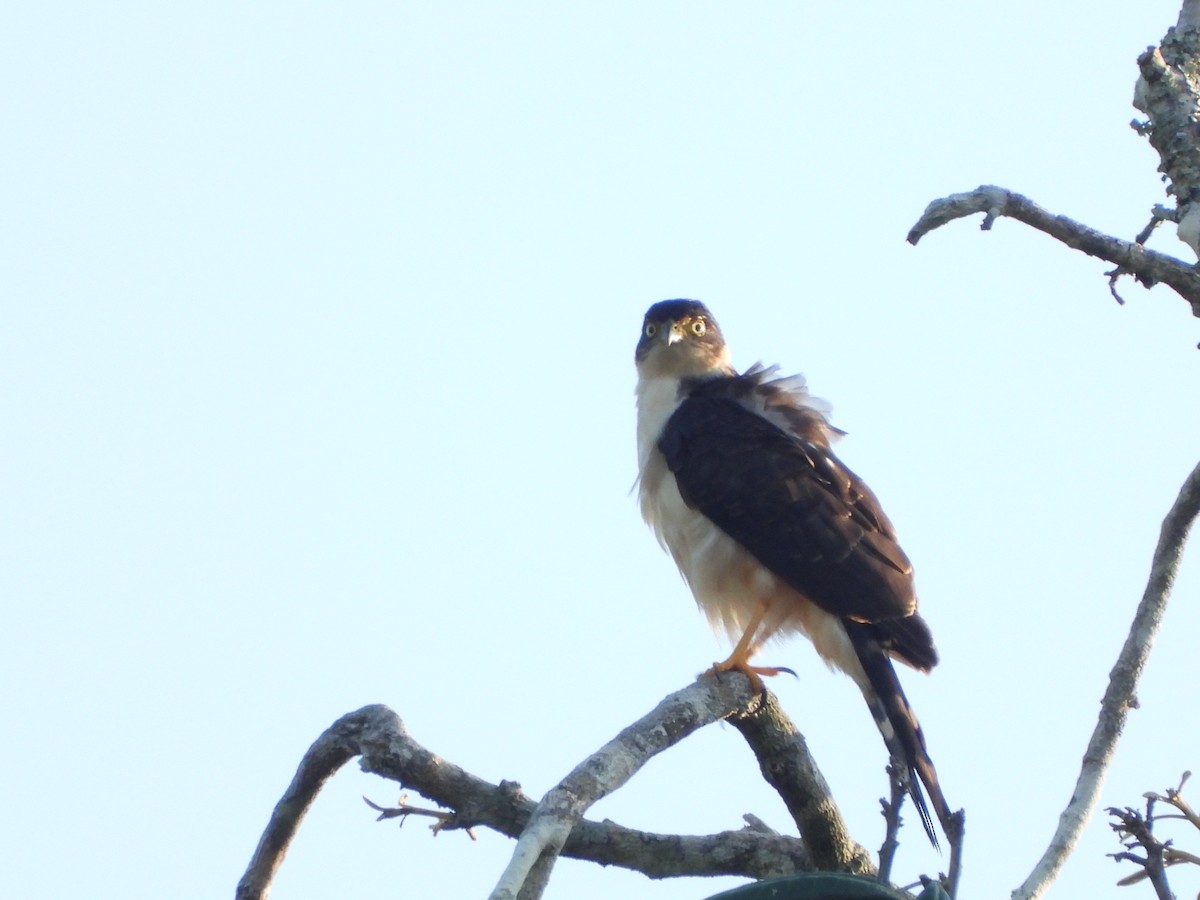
[900, 729]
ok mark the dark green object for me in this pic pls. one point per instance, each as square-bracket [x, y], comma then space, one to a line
[815, 886]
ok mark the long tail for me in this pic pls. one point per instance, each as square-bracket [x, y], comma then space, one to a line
[901, 731]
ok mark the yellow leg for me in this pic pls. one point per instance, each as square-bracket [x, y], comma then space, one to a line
[739, 659]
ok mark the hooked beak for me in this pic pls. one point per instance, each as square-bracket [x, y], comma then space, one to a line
[674, 334]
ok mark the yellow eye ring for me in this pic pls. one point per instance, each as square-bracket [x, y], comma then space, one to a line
[651, 329]
[698, 327]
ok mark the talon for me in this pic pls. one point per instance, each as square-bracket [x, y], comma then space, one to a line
[767, 671]
[754, 673]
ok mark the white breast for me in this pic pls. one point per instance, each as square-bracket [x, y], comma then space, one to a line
[728, 583]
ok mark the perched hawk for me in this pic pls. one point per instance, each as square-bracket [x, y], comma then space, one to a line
[773, 534]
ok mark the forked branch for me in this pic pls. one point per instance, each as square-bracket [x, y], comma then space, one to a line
[781, 751]
[377, 735]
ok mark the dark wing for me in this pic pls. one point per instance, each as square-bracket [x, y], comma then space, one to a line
[791, 503]
[799, 511]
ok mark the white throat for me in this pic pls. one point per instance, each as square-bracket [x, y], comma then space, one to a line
[657, 399]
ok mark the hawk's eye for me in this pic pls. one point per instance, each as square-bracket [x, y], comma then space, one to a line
[651, 329]
[698, 327]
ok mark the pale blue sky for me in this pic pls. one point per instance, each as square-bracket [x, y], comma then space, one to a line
[316, 388]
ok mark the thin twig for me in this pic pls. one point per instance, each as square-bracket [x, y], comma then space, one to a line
[1174, 797]
[445, 821]
[892, 821]
[1119, 698]
[1139, 832]
[1165, 854]
[1158, 215]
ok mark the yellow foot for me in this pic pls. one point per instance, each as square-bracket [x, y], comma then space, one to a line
[739, 659]
[754, 673]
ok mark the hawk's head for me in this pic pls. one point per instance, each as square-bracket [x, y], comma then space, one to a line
[681, 339]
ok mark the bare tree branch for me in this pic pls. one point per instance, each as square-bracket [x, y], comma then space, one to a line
[1120, 697]
[786, 765]
[1149, 266]
[377, 735]
[329, 752]
[708, 700]
[600, 774]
